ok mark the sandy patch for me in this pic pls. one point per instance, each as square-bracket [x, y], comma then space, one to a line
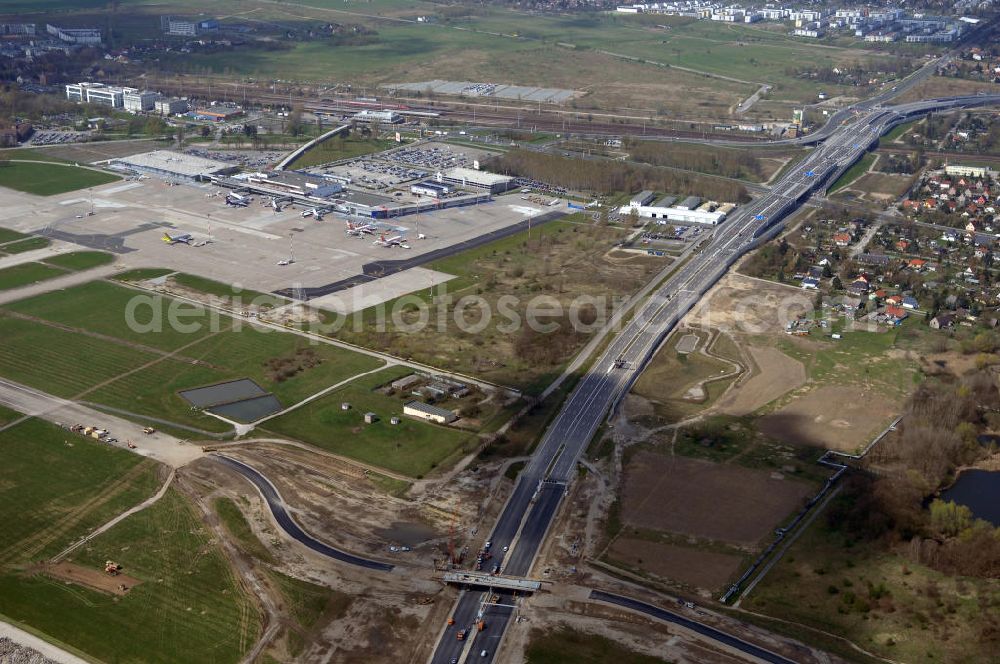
[834, 417]
[91, 578]
[777, 374]
[739, 304]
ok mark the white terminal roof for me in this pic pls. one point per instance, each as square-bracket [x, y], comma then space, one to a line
[479, 177]
[174, 162]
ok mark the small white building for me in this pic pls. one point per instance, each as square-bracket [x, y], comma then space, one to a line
[387, 117]
[427, 412]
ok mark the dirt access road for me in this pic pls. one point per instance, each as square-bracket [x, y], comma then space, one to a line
[165, 448]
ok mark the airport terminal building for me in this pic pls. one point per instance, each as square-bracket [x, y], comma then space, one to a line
[173, 165]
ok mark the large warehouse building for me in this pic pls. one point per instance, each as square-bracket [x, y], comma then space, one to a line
[690, 211]
[473, 179]
[173, 165]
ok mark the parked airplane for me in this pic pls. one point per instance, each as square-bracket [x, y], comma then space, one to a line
[185, 238]
[394, 241]
[315, 213]
[358, 231]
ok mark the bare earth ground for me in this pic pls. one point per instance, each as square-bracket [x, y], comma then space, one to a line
[703, 499]
[740, 304]
[836, 417]
[87, 153]
[776, 374]
[691, 566]
[881, 187]
[90, 577]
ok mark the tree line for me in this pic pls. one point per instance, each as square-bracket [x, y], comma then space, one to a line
[606, 177]
[894, 502]
[728, 163]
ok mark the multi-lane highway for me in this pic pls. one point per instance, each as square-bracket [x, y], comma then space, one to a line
[525, 519]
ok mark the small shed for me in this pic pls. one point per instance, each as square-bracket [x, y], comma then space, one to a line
[370, 418]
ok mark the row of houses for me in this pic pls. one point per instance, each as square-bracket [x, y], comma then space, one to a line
[873, 24]
[970, 193]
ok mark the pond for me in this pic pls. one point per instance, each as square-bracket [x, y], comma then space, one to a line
[407, 533]
[213, 395]
[248, 410]
[979, 490]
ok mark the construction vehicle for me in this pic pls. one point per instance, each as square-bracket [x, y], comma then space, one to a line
[149, 431]
[112, 568]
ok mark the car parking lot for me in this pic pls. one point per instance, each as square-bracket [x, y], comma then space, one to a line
[245, 158]
[48, 137]
[374, 175]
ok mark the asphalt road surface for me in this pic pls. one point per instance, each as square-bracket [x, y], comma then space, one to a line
[287, 523]
[526, 517]
[694, 626]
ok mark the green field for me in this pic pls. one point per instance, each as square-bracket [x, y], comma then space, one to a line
[7, 235]
[881, 600]
[81, 260]
[226, 291]
[746, 53]
[102, 307]
[48, 179]
[27, 273]
[188, 608]
[27, 154]
[234, 521]
[55, 486]
[66, 362]
[337, 148]
[306, 604]
[854, 172]
[865, 358]
[412, 447]
[7, 416]
[58, 361]
[659, 381]
[27, 244]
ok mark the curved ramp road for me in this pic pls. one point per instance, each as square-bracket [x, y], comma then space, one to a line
[694, 626]
[287, 523]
